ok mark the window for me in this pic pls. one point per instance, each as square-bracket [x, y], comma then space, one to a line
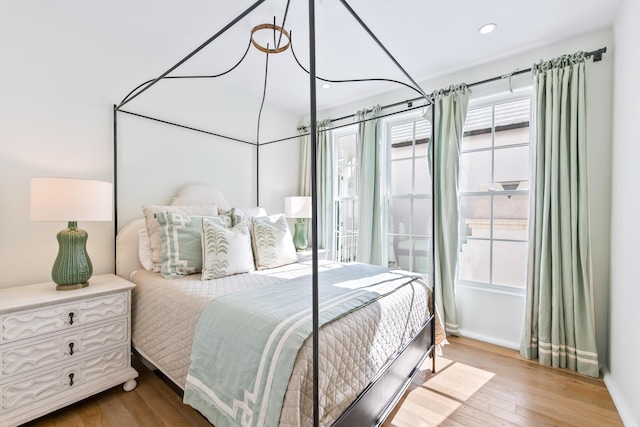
[493, 184]
[408, 194]
[494, 193]
[346, 190]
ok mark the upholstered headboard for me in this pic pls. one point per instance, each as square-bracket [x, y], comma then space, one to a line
[200, 194]
[127, 240]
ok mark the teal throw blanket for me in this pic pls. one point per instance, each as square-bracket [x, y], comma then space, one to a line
[246, 343]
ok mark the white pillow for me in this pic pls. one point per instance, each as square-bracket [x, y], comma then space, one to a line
[225, 251]
[144, 250]
[153, 228]
[238, 214]
[272, 242]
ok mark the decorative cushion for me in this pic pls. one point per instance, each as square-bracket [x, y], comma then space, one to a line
[225, 251]
[239, 214]
[144, 250]
[272, 242]
[181, 243]
[224, 219]
[153, 228]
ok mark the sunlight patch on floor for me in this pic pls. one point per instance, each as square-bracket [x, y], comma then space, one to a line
[458, 381]
[438, 396]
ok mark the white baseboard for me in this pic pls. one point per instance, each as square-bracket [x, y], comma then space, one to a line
[623, 405]
[490, 339]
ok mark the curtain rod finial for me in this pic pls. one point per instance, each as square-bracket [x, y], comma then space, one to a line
[597, 55]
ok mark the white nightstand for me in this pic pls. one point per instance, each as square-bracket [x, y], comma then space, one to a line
[58, 347]
[307, 254]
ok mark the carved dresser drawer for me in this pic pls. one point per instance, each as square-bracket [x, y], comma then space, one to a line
[63, 379]
[45, 352]
[62, 317]
[58, 347]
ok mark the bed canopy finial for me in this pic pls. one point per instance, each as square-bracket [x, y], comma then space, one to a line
[278, 32]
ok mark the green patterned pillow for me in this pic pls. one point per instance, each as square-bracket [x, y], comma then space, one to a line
[223, 220]
[225, 251]
[272, 242]
[181, 237]
[153, 228]
[239, 214]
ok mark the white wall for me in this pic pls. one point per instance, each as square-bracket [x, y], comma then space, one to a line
[59, 80]
[497, 317]
[623, 376]
[155, 159]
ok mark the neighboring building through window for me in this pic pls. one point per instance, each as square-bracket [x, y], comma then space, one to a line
[494, 193]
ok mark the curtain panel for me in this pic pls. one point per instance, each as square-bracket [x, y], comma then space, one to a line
[370, 204]
[324, 172]
[450, 106]
[559, 325]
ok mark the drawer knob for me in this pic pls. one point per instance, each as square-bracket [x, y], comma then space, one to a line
[71, 349]
[71, 375]
[71, 318]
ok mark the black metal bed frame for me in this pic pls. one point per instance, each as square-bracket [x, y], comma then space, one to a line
[374, 404]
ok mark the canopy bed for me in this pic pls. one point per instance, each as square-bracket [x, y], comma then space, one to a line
[361, 332]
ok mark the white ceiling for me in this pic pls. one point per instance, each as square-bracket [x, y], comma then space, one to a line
[428, 37]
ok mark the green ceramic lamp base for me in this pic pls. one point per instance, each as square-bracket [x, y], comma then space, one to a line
[300, 236]
[72, 268]
[72, 287]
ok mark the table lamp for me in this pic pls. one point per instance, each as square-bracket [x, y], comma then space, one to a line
[71, 200]
[298, 207]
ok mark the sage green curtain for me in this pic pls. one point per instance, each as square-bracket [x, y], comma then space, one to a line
[370, 224]
[450, 107]
[324, 171]
[559, 321]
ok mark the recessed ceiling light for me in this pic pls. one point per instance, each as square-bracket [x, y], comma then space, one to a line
[487, 28]
[326, 85]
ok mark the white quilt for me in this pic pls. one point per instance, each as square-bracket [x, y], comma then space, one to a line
[352, 349]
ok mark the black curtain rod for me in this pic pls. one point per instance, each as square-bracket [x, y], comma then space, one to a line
[409, 103]
[596, 54]
[345, 125]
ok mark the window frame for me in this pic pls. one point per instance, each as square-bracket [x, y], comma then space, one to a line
[389, 197]
[336, 134]
[492, 101]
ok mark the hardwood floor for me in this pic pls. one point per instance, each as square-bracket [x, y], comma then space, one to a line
[479, 384]
[476, 384]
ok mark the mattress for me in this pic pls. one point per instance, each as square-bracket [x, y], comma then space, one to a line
[353, 348]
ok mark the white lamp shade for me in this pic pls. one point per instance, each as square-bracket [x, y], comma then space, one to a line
[66, 199]
[297, 207]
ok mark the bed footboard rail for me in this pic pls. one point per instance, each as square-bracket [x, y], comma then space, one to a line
[377, 401]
